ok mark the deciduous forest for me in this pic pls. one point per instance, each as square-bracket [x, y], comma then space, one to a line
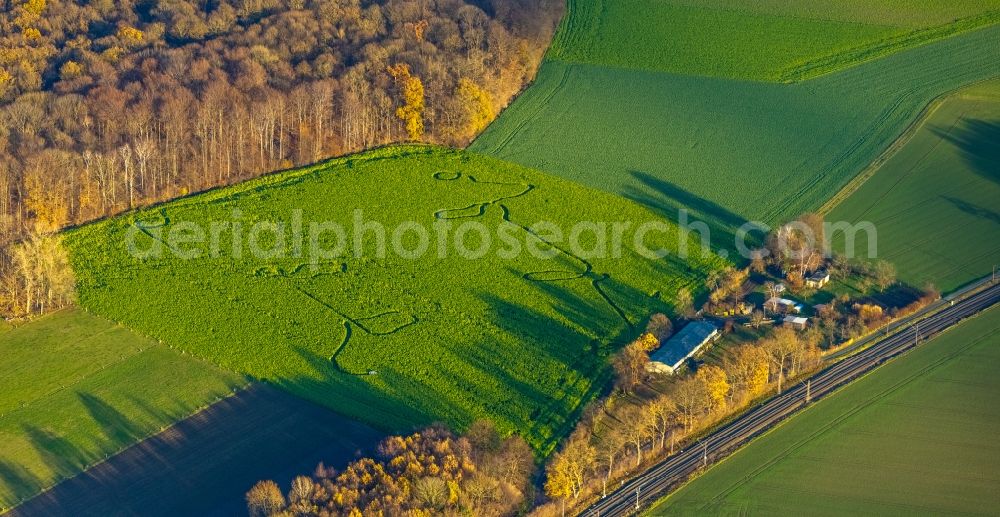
[106, 106]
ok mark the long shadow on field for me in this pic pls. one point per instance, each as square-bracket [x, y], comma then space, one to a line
[58, 453]
[388, 406]
[204, 464]
[974, 209]
[979, 142]
[668, 200]
[116, 426]
[554, 411]
[163, 414]
[18, 480]
[65, 458]
[587, 331]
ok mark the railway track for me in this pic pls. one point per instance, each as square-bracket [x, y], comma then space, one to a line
[656, 482]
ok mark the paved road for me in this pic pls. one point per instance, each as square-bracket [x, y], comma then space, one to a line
[658, 480]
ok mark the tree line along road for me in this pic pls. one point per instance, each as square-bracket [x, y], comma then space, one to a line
[658, 480]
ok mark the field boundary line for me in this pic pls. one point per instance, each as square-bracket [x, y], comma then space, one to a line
[13, 324]
[163, 428]
[534, 79]
[789, 417]
[904, 138]
[871, 169]
[860, 144]
[833, 63]
[855, 409]
[121, 359]
[274, 178]
[532, 112]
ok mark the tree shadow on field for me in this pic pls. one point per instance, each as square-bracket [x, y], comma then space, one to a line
[582, 334]
[117, 428]
[82, 463]
[974, 209]
[400, 400]
[205, 463]
[17, 480]
[58, 453]
[555, 403]
[668, 200]
[388, 407]
[979, 142]
[162, 413]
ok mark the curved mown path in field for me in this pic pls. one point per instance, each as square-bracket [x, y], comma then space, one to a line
[363, 324]
[551, 275]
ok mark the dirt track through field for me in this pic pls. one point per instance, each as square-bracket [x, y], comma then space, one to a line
[205, 464]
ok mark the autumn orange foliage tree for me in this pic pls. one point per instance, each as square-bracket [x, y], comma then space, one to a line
[476, 104]
[658, 411]
[108, 106]
[430, 472]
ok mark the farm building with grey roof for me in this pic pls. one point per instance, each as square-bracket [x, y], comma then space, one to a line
[672, 354]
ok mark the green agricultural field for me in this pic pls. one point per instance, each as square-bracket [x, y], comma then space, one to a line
[934, 202]
[76, 388]
[397, 341]
[204, 465]
[776, 40]
[902, 13]
[916, 437]
[726, 150]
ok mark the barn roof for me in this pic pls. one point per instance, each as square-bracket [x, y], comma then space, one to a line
[685, 343]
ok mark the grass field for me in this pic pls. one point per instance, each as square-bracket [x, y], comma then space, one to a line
[901, 13]
[663, 105]
[396, 341]
[727, 150]
[259, 433]
[916, 437]
[75, 388]
[780, 40]
[934, 202]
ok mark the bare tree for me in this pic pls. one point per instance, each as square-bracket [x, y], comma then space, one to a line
[321, 99]
[126, 155]
[660, 326]
[780, 348]
[432, 492]
[885, 275]
[637, 426]
[692, 399]
[630, 366]
[264, 499]
[684, 302]
[610, 445]
[663, 411]
[143, 152]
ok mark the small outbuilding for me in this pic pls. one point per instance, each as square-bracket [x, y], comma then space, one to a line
[684, 344]
[796, 322]
[782, 306]
[818, 279]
